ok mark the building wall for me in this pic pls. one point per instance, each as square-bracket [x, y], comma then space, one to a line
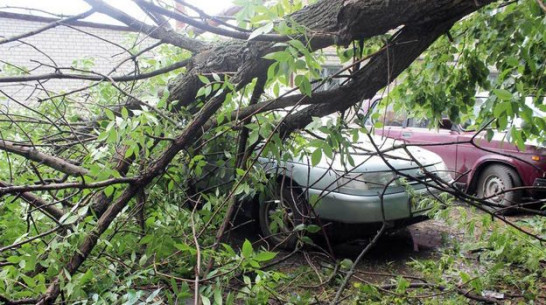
[63, 45]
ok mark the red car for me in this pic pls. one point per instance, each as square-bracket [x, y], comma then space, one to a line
[485, 168]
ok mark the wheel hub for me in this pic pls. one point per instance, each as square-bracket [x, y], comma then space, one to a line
[281, 214]
[492, 187]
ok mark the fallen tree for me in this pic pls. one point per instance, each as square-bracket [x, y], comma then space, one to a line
[96, 174]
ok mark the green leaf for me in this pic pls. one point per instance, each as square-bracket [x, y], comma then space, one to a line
[174, 286]
[490, 135]
[254, 264]
[247, 280]
[501, 108]
[230, 299]
[261, 30]
[316, 157]
[70, 220]
[247, 249]
[203, 79]
[253, 137]
[346, 264]
[152, 296]
[109, 190]
[402, 285]
[124, 113]
[220, 118]
[129, 152]
[265, 256]
[109, 114]
[229, 249]
[240, 171]
[218, 296]
[208, 90]
[303, 84]
[307, 240]
[112, 136]
[216, 77]
[29, 281]
[87, 276]
[503, 94]
[280, 56]
[299, 46]
[313, 228]
[299, 227]
[518, 139]
[143, 260]
[465, 278]
[200, 92]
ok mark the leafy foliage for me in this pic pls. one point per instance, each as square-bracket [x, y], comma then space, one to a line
[164, 240]
[496, 54]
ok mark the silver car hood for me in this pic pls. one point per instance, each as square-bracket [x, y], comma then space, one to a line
[366, 158]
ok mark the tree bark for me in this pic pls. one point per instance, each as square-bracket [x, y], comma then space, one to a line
[38, 203]
[54, 162]
[343, 20]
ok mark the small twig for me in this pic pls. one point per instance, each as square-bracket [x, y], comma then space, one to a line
[358, 259]
[61, 186]
[7, 301]
[47, 27]
[16, 245]
[198, 254]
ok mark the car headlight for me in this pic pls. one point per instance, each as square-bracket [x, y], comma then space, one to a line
[364, 181]
[441, 171]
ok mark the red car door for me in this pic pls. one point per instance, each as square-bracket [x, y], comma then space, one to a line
[468, 154]
[444, 143]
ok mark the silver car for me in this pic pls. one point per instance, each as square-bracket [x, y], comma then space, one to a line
[375, 189]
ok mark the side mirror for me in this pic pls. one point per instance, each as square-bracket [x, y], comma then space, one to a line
[446, 124]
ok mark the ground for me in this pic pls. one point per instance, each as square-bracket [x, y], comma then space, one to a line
[395, 255]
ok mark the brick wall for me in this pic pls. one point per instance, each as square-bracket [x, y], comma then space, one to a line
[63, 45]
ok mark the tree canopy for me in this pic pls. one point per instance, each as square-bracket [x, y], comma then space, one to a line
[99, 196]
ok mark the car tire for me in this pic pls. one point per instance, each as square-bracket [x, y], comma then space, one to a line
[281, 215]
[496, 178]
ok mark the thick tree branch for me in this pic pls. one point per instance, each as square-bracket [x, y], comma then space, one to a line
[359, 19]
[33, 154]
[153, 31]
[382, 69]
[160, 20]
[221, 31]
[330, 18]
[213, 20]
[37, 202]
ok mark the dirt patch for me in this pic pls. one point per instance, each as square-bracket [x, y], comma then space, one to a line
[395, 255]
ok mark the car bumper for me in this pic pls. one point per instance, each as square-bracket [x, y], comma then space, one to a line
[367, 209]
[540, 192]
